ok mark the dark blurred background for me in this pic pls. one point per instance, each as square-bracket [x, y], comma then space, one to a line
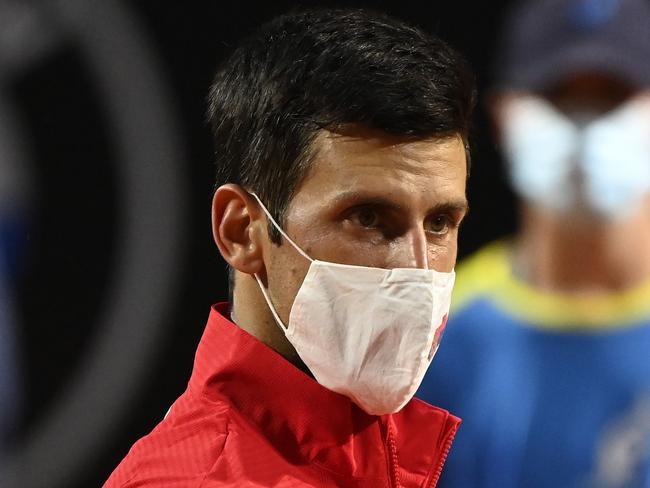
[108, 264]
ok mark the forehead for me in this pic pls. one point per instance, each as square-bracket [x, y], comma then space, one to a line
[595, 90]
[380, 163]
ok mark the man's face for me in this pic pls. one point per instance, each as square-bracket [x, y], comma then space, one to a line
[372, 200]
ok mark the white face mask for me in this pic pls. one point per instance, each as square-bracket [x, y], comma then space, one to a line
[367, 333]
[558, 161]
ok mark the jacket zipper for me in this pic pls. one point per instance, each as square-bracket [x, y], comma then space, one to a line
[443, 457]
[392, 458]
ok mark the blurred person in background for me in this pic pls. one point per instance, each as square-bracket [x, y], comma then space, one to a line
[341, 147]
[547, 354]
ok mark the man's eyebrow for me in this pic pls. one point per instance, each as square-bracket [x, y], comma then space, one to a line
[363, 198]
[460, 205]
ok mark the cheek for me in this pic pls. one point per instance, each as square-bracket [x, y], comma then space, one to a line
[340, 245]
[443, 257]
[285, 274]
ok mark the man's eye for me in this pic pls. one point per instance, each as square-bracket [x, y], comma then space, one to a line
[439, 224]
[366, 218]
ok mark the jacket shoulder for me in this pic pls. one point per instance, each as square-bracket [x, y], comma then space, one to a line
[180, 450]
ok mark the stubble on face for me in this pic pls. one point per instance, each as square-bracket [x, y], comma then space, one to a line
[371, 199]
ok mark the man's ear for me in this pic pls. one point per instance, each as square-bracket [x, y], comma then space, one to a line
[237, 228]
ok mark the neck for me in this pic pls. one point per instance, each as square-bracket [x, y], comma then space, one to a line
[580, 256]
[251, 313]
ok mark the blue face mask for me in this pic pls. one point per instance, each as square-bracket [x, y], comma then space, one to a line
[559, 161]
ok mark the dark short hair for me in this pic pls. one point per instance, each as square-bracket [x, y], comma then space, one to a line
[322, 69]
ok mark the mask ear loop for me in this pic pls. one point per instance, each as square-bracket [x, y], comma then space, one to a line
[271, 307]
[277, 226]
[259, 282]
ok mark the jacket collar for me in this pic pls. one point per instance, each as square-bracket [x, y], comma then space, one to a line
[306, 421]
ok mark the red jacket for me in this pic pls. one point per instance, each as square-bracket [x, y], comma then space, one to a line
[249, 418]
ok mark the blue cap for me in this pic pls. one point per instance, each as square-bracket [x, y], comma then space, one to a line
[548, 41]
